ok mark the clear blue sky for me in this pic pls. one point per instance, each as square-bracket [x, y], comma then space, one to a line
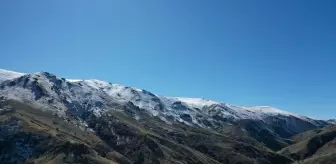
[278, 53]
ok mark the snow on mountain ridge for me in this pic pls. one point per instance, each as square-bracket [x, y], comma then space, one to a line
[196, 102]
[8, 75]
[74, 80]
[267, 109]
[151, 102]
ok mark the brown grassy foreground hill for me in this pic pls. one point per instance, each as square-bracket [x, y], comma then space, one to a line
[313, 147]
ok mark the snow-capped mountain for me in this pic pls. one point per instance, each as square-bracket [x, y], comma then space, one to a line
[15, 86]
[64, 96]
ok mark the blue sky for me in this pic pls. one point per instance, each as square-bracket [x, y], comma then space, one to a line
[277, 53]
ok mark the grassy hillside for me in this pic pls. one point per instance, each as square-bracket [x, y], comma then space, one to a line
[30, 135]
[314, 146]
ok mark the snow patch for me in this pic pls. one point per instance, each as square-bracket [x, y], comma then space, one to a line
[9, 75]
[196, 102]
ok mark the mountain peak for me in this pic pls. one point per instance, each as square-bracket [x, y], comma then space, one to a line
[196, 102]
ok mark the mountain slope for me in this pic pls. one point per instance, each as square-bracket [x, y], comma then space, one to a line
[314, 145]
[123, 118]
[29, 134]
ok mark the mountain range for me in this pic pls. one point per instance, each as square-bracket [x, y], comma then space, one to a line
[49, 119]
